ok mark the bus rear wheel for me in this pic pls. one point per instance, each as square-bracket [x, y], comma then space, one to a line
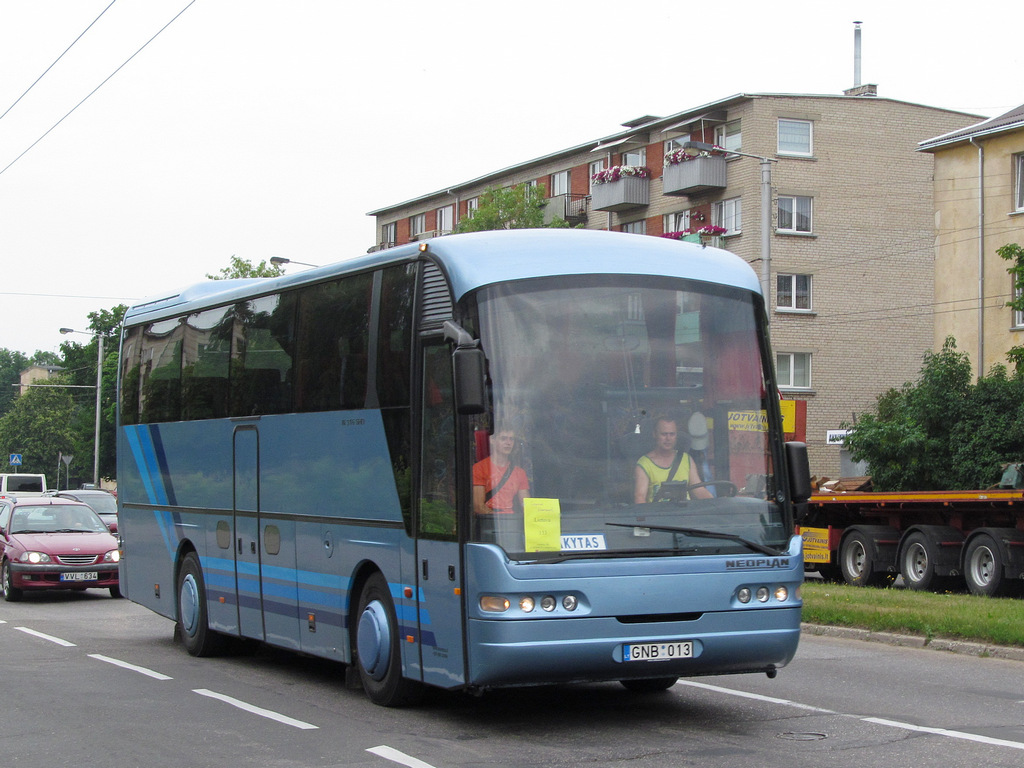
[378, 649]
[193, 620]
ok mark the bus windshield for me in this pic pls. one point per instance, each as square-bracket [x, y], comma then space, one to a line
[630, 417]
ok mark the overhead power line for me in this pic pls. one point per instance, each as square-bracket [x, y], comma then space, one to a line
[81, 34]
[105, 81]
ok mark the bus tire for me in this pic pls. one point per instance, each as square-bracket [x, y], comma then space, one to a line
[378, 653]
[650, 685]
[983, 566]
[858, 564]
[193, 620]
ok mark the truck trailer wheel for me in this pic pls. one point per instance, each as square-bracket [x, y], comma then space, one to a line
[983, 566]
[857, 562]
[918, 562]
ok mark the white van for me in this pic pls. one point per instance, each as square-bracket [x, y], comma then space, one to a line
[22, 485]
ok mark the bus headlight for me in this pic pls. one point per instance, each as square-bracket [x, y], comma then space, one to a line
[526, 604]
[744, 595]
[763, 594]
[781, 594]
[569, 602]
[547, 603]
[494, 604]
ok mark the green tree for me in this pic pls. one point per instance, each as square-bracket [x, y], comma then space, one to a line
[38, 427]
[240, 267]
[518, 207]
[1015, 255]
[79, 361]
[942, 432]
[11, 365]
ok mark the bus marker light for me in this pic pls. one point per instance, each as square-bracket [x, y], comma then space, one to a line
[410, 639]
[407, 591]
[457, 591]
[494, 604]
[222, 600]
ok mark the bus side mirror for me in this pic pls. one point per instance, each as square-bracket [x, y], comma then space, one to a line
[469, 366]
[799, 472]
[470, 380]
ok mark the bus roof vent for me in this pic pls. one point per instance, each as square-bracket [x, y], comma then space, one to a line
[437, 298]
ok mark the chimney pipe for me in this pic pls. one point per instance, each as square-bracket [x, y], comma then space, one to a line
[856, 54]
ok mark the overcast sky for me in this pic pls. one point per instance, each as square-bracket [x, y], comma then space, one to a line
[260, 128]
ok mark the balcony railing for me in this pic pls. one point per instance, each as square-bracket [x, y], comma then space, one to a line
[694, 176]
[621, 195]
[572, 208]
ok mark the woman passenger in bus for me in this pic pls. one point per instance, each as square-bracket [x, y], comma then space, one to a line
[664, 464]
[499, 486]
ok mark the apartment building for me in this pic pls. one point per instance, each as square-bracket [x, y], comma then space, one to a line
[844, 250]
[979, 207]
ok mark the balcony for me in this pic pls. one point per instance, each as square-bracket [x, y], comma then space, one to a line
[621, 195]
[693, 176]
[571, 208]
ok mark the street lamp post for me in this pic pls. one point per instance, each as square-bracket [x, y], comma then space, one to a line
[99, 392]
[280, 261]
[766, 211]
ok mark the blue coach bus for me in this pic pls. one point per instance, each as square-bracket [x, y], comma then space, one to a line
[298, 457]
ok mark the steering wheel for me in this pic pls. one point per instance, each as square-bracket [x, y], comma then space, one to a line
[729, 487]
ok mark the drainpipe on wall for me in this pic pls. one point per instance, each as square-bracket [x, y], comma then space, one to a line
[981, 256]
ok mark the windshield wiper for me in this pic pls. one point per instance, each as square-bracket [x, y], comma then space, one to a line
[698, 533]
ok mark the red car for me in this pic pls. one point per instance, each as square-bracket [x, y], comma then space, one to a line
[54, 543]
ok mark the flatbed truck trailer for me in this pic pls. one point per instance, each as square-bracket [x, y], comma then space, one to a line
[935, 540]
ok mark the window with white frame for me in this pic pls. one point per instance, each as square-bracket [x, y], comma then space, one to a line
[728, 214]
[559, 183]
[1018, 314]
[472, 206]
[636, 227]
[595, 167]
[793, 292]
[793, 370]
[676, 222]
[417, 224]
[1018, 162]
[794, 213]
[795, 137]
[728, 136]
[389, 233]
[635, 157]
[446, 218]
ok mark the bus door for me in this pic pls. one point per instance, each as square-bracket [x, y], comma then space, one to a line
[438, 554]
[248, 589]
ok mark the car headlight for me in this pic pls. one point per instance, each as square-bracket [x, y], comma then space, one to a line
[112, 556]
[34, 557]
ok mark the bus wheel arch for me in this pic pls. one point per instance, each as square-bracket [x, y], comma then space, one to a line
[376, 645]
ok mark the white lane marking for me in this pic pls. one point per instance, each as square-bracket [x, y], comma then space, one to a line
[267, 713]
[943, 732]
[389, 753]
[875, 720]
[132, 667]
[51, 638]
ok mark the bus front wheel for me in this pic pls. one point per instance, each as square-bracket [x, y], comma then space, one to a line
[378, 649]
[193, 620]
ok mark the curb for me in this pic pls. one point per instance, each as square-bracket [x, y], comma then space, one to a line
[964, 647]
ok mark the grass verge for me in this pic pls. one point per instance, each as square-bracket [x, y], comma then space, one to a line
[997, 621]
